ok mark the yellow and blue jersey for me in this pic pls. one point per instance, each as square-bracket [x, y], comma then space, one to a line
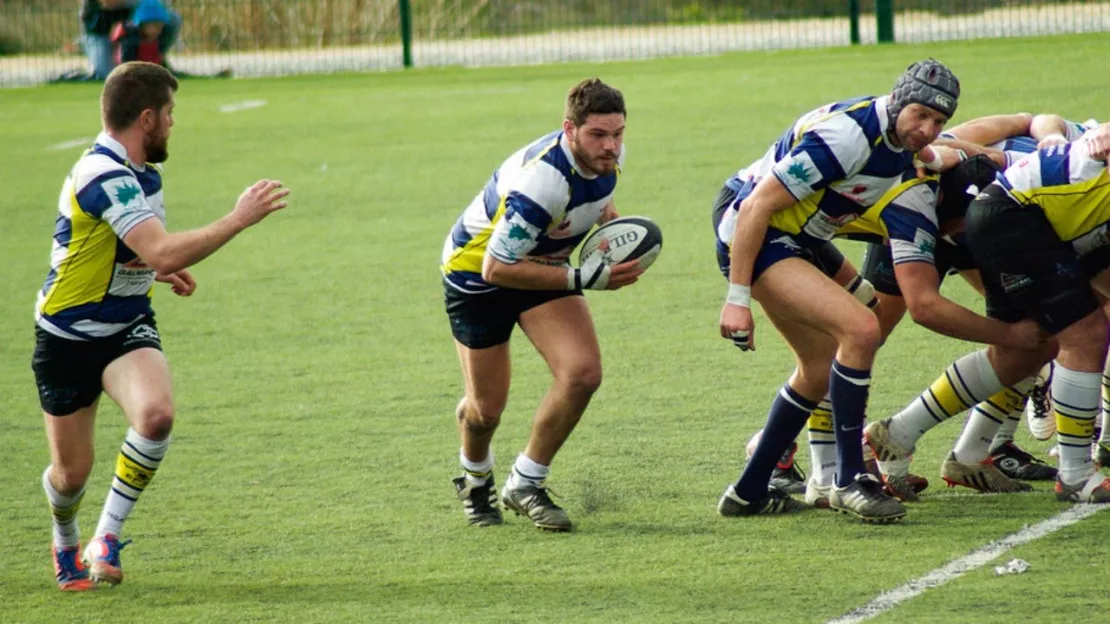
[537, 206]
[1071, 188]
[837, 161]
[906, 216]
[97, 286]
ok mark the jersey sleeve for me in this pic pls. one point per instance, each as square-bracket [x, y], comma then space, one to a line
[115, 197]
[911, 224]
[533, 200]
[830, 150]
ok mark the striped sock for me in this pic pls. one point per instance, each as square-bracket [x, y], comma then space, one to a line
[1075, 398]
[822, 443]
[1104, 436]
[848, 390]
[984, 426]
[138, 459]
[964, 383]
[1015, 411]
[64, 511]
[785, 420]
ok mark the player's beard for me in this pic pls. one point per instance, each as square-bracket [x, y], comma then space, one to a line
[586, 161]
[156, 146]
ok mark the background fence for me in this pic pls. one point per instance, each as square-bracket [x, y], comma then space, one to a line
[40, 39]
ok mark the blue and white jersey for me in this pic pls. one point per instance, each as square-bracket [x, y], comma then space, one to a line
[837, 161]
[536, 207]
[97, 286]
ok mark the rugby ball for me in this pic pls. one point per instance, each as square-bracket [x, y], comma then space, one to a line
[624, 239]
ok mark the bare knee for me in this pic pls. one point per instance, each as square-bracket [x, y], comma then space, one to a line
[155, 421]
[1083, 344]
[582, 379]
[482, 414]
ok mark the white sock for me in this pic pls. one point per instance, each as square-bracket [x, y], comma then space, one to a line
[64, 511]
[822, 443]
[1075, 398]
[479, 472]
[138, 459]
[527, 472]
[1012, 409]
[965, 382]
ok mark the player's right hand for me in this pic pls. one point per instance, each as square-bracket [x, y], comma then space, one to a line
[624, 274]
[260, 200]
[738, 326]
[1026, 334]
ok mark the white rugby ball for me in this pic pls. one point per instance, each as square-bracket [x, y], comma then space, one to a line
[624, 239]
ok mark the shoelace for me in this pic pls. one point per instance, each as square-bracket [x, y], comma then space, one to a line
[543, 495]
[68, 564]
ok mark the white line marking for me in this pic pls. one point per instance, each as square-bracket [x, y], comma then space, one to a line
[244, 105]
[64, 145]
[958, 567]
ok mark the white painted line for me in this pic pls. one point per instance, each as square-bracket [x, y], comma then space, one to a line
[958, 567]
[244, 105]
[64, 145]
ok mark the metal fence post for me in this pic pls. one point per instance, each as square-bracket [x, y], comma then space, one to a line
[884, 17]
[405, 7]
[853, 21]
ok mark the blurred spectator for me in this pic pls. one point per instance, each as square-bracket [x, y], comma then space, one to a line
[100, 17]
[137, 39]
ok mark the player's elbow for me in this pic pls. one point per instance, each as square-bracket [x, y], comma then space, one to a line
[493, 270]
[923, 311]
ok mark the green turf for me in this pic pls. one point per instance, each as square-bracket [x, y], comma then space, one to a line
[309, 479]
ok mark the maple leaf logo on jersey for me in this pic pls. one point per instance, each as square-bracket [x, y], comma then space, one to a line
[126, 192]
[517, 232]
[797, 170]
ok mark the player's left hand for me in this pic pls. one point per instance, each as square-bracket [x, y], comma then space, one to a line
[182, 283]
[937, 158]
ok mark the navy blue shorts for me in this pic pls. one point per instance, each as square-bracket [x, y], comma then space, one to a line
[69, 373]
[487, 319]
[777, 245]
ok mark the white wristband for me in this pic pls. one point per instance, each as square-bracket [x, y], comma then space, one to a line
[934, 164]
[739, 295]
[574, 279]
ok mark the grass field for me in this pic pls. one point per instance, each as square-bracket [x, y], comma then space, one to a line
[309, 479]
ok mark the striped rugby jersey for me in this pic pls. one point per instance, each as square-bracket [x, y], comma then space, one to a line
[1071, 188]
[537, 206]
[97, 286]
[837, 161]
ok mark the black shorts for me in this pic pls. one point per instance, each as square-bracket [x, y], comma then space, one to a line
[827, 257]
[878, 265]
[68, 373]
[1028, 272]
[487, 320]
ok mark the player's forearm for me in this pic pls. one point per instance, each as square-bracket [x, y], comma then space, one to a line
[181, 250]
[747, 239]
[524, 275]
[948, 318]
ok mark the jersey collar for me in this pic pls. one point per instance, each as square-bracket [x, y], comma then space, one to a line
[117, 148]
